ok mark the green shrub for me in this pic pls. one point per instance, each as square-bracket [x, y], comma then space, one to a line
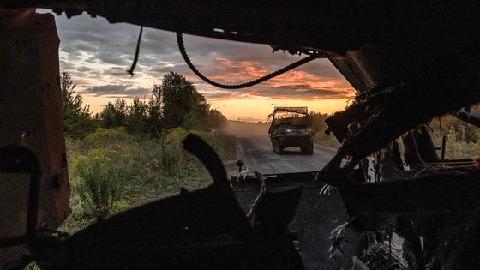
[108, 137]
[100, 181]
[112, 170]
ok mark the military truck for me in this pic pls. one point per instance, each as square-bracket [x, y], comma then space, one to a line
[291, 128]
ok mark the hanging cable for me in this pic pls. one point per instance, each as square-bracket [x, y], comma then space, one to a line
[267, 77]
[137, 52]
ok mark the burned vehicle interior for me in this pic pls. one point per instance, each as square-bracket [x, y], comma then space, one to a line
[410, 62]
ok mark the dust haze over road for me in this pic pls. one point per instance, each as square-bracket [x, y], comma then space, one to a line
[317, 216]
[256, 152]
[255, 149]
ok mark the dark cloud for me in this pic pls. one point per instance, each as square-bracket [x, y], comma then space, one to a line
[92, 75]
[161, 70]
[64, 65]
[111, 58]
[117, 91]
[84, 69]
[101, 41]
[115, 43]
[299, 92]
[97, 52]
[321, 67]
[116, 71]
[220, 95]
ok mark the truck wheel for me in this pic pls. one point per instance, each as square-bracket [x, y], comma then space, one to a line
[307, 149]
[280, 148]
[276, 146]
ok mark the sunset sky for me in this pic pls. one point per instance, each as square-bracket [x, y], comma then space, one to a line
[97, 55]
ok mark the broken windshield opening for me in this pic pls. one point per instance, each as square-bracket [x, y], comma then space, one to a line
[153, 146]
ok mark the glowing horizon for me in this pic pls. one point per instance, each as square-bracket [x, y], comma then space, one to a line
[245, 109]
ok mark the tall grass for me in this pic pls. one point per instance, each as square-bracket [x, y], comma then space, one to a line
[111, 170]
[458, 146]
[100, 180]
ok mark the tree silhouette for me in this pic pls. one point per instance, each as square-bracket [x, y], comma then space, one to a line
[76, 117]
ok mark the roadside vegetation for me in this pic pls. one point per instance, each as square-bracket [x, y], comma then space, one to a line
[318, 124]
[463, 139]
[129, 154]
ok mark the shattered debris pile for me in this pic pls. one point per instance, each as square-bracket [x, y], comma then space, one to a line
[415, 193]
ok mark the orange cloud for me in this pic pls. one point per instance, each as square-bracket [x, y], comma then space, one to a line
[293, 84]
[241, 70]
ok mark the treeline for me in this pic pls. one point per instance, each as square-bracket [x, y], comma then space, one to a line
[317, 120]
[131, 153]
[173, 103]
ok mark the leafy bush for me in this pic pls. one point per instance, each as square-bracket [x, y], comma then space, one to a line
[109, 138]
[100, 181]
[113, 115]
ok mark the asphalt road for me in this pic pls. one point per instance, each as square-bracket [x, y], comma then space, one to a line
[256, 152]
[316, 215]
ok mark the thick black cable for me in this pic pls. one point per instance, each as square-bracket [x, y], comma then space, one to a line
[267, 77]
[137, 52]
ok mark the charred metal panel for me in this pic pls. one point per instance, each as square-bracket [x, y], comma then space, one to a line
[373, 66]
[454, 189]
[337, 26]
[30, 106]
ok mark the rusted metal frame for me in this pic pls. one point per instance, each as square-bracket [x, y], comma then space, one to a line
[334, 26]
[274, 25]
[17, 159]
